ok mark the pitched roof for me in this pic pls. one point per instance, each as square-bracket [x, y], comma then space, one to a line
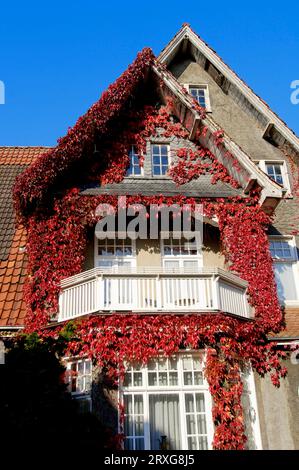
[13, 160]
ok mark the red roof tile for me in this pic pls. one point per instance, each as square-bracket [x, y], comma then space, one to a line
[291, 318]
[13, 160]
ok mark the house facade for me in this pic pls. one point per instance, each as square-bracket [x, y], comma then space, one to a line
[178, 336]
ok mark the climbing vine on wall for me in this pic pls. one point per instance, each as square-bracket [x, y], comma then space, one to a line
[57, 237]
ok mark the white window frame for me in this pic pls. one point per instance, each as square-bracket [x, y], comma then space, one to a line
[181, 257]
[82, 397]
[205, 87]
[146, 390]
[284, 171]
[160, 144]
[253, 411]
[292, 261]
[133, 175]
[114, 258]
[69, 363]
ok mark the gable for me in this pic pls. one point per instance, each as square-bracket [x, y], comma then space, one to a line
[240, 125]
[187, 44]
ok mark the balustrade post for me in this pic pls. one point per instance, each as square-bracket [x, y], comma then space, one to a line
[216, 300]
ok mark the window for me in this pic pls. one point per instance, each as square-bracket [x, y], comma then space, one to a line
[114, 253]
[201, 94]
[167, 401]
[134, 169]
[79, 376]
[181, 253]
[280, 249]
[160, 159]
[79, 380]
[283, 252]
[277, 171]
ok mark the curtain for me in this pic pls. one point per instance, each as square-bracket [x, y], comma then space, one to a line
[164, 420]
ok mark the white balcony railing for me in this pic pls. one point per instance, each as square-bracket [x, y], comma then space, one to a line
[145, 290]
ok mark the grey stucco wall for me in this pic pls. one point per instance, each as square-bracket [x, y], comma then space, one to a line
[246, 131]
[279, 411]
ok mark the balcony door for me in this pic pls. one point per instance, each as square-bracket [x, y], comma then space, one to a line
[115, 254]
[181, 255]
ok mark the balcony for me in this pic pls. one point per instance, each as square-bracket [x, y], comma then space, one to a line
[145, 290]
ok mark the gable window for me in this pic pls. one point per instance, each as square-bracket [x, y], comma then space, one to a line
[167, 403]
[274, 170]
[284, 255]
[277, 171]
[201, 94]
[134, 169]
[160, 159]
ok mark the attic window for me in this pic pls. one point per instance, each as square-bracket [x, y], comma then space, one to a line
[277, 171]
[160, 159]
[201, 94]
[134, 168]
[274, 170]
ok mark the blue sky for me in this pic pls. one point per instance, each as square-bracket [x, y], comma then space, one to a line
[57, 57]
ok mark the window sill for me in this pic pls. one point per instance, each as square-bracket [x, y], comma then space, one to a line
[290, 303]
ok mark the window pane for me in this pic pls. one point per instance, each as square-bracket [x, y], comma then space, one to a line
[201, 424]
[164, 418]
[139, 444]
[152, 365]
[129, 444]
[197, 363]
[190, 419]
[128, 379]
[152, 378]
[164, 150]
[187, 363]
[188, 378]
[173, 378]
[173, 363]
[192, 443]
[128, 426]
[162, 364]
[139, 428]
[137, 379]
[198, 379]
[128, 404]
[203, 443]
[162, 378]
[200, 402]
[189, 403]
[285, 281]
